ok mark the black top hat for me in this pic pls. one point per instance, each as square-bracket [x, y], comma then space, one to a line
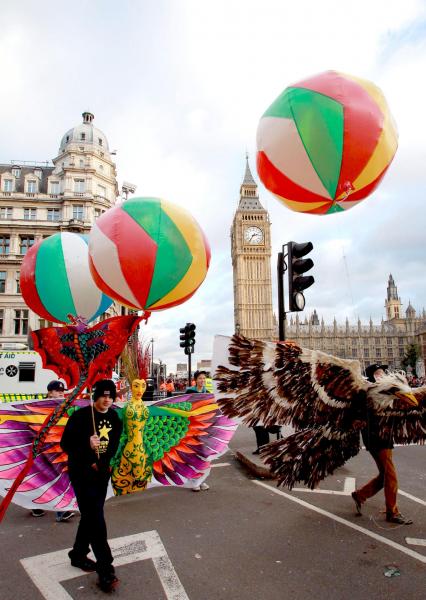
[371, 369]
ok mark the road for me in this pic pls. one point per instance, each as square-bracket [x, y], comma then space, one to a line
[242, 539]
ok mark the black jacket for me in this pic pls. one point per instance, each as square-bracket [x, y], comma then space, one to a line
[76, 440]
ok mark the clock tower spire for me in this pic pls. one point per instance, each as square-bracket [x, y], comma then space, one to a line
[251, 261]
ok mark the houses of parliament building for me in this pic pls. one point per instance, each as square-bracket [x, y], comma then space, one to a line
[385, 343]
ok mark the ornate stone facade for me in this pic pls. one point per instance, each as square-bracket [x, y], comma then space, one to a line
[37, 200]
[251, 262]
[369, 343]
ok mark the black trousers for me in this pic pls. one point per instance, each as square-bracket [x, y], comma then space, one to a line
[90, 490]
[262, 435]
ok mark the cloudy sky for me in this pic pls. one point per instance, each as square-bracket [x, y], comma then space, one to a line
[178, 87]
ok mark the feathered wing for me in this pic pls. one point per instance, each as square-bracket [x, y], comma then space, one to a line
[282, 383]
[47, 484]
[320, 395]
[182, 437]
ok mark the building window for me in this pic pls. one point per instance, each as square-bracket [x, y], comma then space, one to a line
[31, 186]
[38, 173]
[2, 282]
[54, 187]
[83, 136]
[26, 241]
[4, 244]
[79, 186]
[67, 138]
[378, 353]
[7, 185]
[18, 282]
[6, 212]
[390, 353]
[100, 141]
[389, 341]
[401, 352]
[21, 322]
[16, 173]
[1, 320]
[365, 352]
[53, 214]
[30, 214]
[78, 212]
[101, 167]
[97, 213]
[102, 191]
[81, 163]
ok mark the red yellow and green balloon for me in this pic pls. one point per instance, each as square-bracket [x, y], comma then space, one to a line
[56, 280]
[148, 254]
[325, 143]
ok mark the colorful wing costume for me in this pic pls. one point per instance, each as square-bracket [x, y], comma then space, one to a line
[81, 355]
[180, 438]
[169, 442]
[323, 397]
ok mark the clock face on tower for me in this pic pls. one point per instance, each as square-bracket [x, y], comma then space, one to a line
[253, 235]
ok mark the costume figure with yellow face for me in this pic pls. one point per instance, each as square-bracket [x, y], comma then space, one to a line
[133, 473]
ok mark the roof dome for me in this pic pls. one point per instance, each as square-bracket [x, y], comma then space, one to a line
[85, 133]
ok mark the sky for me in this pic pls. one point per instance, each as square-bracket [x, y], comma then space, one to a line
[178, 87]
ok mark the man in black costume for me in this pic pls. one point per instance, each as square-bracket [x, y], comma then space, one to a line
[91, 439]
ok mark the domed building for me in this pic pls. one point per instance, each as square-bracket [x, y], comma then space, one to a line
[37, 200]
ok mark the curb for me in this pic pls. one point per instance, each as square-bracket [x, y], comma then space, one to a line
[253, 467]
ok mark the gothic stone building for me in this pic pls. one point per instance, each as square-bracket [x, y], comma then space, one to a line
[369, 343]
[37, 200]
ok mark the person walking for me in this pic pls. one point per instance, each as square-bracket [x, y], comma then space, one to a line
[91, 438]
[381, 451]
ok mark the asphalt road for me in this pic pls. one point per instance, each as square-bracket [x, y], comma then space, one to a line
[241, 540]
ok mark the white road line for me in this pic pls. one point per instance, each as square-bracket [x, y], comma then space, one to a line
[48, 570]
[348, 488]
[220, 465]
[415, 541]
[414, 498]
[420, 557]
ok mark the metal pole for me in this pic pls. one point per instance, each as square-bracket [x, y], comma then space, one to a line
[281, 307]
[152, 358]
[189, 370]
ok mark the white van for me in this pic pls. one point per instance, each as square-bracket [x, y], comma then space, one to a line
[22, 373]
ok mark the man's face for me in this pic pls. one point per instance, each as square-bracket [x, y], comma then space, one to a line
[378, 374]
[55, 394]
[201, 380]
[103, 403]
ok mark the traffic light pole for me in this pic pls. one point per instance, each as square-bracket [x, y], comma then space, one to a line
[281, 268]
[189, 370]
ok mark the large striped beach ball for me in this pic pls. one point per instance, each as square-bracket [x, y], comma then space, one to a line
[148, 254]
[56, 280]
[325, 143]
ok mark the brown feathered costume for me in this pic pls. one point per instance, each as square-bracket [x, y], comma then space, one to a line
[323, 397]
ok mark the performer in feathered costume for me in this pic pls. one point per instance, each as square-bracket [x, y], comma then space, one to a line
[323, 397]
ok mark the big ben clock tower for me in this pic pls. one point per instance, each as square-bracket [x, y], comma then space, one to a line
[251, 262]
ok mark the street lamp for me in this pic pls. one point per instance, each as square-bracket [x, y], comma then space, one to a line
[152, 358]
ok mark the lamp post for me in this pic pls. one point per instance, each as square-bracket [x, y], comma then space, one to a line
[152, 358]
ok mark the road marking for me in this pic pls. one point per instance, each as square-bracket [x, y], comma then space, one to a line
[220, 465]
[420, 557]
[414, 498]
[348, 488]
[415, 541]
[48, 570]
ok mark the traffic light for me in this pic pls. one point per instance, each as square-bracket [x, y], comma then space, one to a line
[187, 337]
[297, 282]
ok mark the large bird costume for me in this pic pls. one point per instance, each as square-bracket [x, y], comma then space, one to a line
[323, 397]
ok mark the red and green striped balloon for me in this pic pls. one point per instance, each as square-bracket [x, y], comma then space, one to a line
[148, 254]
[56, 281]
[325, 143]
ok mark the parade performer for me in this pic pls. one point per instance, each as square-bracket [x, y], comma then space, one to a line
[90, 440]
[199, 387]
[380, 449]
[322, 397]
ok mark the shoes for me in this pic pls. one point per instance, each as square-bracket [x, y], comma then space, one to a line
[203, 486]
[108, 583]
[84, 563]
[64, 516]
[256, 451]
[398, 519]
[37, 512]
[357, 503]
